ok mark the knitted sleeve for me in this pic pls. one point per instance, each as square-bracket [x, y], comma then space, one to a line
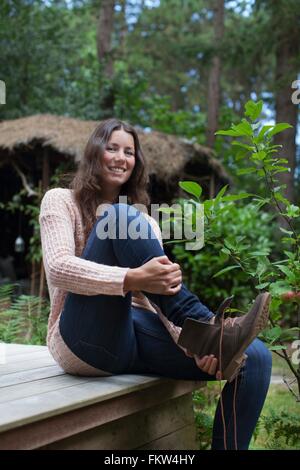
[63, 268]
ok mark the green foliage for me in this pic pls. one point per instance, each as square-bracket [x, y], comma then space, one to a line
[133, 102]
[23, 319]
[204, 403]
[48, 58]
[232, 233]
[282, 427]
[244, 244]
[277, 428]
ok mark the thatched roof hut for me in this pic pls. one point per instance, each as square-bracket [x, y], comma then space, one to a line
[32, 147]
[169, 158]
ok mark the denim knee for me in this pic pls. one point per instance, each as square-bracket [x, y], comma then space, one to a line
[111, 216]
[265, 354]
[118, 211]
[122, 208]
[260, 355]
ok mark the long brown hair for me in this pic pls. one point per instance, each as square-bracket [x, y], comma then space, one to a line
[86, 182]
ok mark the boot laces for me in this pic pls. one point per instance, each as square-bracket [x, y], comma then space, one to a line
[228, 322]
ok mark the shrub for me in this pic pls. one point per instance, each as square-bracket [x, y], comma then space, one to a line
[23, 318]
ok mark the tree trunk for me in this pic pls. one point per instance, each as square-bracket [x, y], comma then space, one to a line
[104, 36]
[123, 29]
[286, 111]
[214, 76]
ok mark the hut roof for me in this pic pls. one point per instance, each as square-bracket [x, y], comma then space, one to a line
[166, 154]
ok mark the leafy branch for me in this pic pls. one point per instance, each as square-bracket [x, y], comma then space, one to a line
[257, 155]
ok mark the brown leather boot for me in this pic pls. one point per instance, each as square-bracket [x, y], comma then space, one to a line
[226, 340]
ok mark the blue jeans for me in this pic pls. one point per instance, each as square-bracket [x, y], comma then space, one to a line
[108, 333]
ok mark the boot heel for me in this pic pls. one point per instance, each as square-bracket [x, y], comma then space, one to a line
[233, 369]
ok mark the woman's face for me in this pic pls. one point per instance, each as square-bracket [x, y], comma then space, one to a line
[118, 160]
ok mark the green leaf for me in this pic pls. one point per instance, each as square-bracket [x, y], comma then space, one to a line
[242, 153]
[274, 333]
[255, 254]
[293, 211]
[191, 187]
[262, 132]
[278, 169]
[229, 132]
[244, 128]
[288, 232]
[289, 274]
[281, 198]
[262, 286]
[221, 193]
[276, 348]
[260, 156]
[279, 128]
[253, 110]
[208, 204]
[289, 334]
[244, 146]
[279, 287]
[236, 197]
[246, 171]
[225, 270]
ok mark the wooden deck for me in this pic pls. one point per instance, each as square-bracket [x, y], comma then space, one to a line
[41, 407]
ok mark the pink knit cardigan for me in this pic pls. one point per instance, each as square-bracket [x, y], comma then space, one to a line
[62, 239]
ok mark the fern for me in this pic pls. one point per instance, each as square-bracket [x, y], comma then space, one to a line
[23, 319]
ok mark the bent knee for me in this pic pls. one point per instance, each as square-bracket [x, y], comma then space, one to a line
[123, 208]
[260, 353]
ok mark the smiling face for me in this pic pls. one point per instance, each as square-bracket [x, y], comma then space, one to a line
[117, 163]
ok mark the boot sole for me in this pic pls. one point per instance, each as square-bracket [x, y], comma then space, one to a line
[261, 318]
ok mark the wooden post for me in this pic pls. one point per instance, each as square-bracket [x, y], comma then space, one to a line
[43, 185]
[33, 274]
[41, 289]
[46, 170]
[212, 186]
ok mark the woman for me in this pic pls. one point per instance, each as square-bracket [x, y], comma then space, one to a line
[118, 304]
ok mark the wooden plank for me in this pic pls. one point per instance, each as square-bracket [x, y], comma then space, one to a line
[29, 409]
[38, 387]
[39, 403]
[12, 348]
[181, 439]
[40, 433]
[30, 375]
[27, 365]
[19, 358]
[138, 429]
[28, 352]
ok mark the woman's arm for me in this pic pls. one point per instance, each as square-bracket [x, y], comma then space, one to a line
[64, 269]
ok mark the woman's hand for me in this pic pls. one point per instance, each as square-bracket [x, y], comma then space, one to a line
[207, 364]
[157, 276]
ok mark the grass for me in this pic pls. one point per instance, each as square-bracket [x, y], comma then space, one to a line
[279, 423]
